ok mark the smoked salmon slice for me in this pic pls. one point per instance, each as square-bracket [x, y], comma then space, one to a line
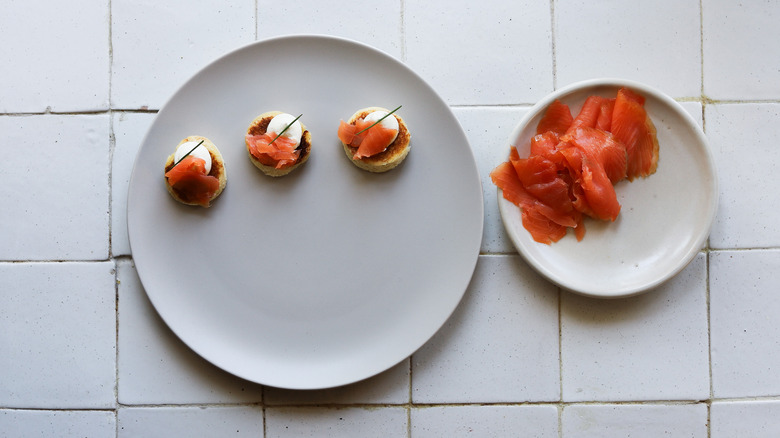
[557, 118]
[632, 126]
[279, 153]
[588, 115]
[191, 182]
[369, 142]
[575, 162]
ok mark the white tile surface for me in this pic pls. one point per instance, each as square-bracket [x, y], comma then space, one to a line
[500, 345]
[745, 217]
[743, 319]
[55, 55]
[375, 23]
[755, 419]
[54, 187]
[191, 422]
[485, 421]
[159, 45]
[389, 387]
[738, 59]
[155, 367]
[57, 335]
[289, 422]
[494, 53]
[649, 347]
[695, 358]
[64, 424]
[129, 131]
[636, 421]
[657, 43]
[488, 130]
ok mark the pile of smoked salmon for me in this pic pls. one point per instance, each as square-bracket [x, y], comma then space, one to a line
[574, 163]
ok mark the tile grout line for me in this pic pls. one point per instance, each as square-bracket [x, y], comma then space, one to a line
[552, 46]
[708, 252]
[560, 363]
[409, 401]
[111, 148]
[704, 100]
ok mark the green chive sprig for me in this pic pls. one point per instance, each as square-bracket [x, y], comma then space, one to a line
[383, 117]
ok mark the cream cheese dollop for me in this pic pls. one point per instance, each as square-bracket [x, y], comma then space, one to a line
[389, 122]
[280, 121]
[199, 152]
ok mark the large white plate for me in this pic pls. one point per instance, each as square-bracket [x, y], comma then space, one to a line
[330, 274]
[664, 220]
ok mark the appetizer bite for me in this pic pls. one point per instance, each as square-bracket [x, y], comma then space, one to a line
[195, 173]
[278, 143]
[375, 139]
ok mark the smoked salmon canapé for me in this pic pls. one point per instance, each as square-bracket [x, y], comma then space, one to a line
[278, 143]
[195, 173]
[375, 139]
[575, 161]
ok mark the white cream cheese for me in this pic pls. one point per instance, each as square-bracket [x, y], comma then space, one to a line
[280, 121]
[199, 152]
[389, 122]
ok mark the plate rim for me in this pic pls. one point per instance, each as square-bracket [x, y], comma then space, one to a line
[713, 191]
[314, 38]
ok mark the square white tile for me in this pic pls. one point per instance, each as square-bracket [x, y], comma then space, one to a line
[55, 56]
[190, 422]
[754, 419]
[743, 138]
[488, 130]
[129, 131]
[155, 367]
[389, 387]
[15, 423]
[500, 344]
[657, 43]
[57, 335]
[649, 347]
[635, 420]
[375, 23]
[55, 187]
[485, 421]
[157, 46]
[481, 54]
[743, 323]
[348, 422]
[740, 50]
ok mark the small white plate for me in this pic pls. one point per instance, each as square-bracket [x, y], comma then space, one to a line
[330, 274]
[664, 220]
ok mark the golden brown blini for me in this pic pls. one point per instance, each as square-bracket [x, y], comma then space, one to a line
[268, 165]
[392, 156]
[192, 190]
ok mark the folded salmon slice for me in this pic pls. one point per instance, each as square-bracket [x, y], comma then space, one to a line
[190, 181]
[370, 140]
[279, 153]
[632, 126]
[557, 119]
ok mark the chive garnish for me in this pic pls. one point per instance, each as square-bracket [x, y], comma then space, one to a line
[285, 128]
[383, 117]
[185, 155]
